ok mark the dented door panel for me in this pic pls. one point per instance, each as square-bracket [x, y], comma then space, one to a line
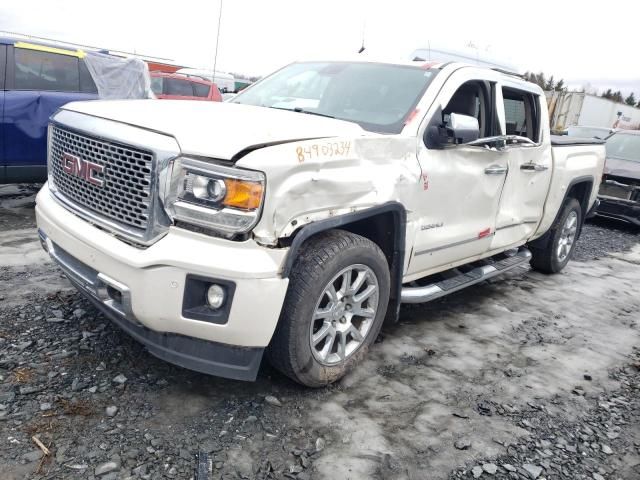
[457, 206]
[524, 195]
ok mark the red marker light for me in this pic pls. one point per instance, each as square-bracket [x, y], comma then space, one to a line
[484, 233]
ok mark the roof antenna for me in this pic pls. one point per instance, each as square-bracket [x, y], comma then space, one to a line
[362, 48]
[215, 57]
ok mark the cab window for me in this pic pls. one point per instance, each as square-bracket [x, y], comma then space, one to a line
[521, 113]
[45, 71]
[201, 90]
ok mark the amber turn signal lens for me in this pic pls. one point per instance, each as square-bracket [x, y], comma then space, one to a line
[243, 194]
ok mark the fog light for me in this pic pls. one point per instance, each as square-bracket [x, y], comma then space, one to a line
[215, 296]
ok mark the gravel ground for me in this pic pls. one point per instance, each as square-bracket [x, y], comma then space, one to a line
[601, 236]
[525, 377]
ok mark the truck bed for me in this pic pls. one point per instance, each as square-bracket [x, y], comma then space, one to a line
[566, 141]
[574, 159]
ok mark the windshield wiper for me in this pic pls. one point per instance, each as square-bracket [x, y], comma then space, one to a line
[302, 110]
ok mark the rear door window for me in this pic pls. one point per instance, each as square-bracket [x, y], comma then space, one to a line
[45, 71]
[173, 86]
[201, 90]
[521, 113]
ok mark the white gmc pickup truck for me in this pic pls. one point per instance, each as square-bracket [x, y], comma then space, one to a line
[297, 218]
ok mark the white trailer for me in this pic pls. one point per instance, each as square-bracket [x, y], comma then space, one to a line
[568, 109]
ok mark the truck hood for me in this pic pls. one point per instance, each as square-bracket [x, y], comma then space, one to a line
[622, 168]
[215, 129]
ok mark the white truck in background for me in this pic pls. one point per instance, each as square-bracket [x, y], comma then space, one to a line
[297, 217]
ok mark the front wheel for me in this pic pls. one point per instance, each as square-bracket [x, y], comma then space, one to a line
[562, 241]
[334, 308]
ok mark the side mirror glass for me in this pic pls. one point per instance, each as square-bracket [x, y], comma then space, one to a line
[462, 128]
[435, 135]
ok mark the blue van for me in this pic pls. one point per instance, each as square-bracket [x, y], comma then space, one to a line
[35, 80]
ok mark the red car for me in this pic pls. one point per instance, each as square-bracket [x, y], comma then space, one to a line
[174, 86]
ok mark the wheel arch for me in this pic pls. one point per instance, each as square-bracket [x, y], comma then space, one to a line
[579, 188]
[385, 225]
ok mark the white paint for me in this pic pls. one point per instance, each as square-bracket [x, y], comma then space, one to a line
[216, 129]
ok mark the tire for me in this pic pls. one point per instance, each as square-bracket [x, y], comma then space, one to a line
[552, 259]
[327, 259]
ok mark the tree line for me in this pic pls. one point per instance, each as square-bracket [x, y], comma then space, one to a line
[547, 84]
[550, 84]
[617, 97]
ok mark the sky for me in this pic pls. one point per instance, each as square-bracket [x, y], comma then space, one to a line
[595, 46]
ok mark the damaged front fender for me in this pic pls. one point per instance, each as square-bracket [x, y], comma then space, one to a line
[309, 181]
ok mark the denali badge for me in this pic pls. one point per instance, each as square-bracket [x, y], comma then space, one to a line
[73, 165]
[430, 226]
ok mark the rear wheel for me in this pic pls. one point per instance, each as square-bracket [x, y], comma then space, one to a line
[334, 308]
[562, 240]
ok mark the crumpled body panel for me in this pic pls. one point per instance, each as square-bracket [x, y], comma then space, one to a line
[312, 180]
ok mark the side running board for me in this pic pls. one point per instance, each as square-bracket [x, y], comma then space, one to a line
[463, 280]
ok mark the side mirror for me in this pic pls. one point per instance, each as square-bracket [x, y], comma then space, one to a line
[459, 129]
[463, 128]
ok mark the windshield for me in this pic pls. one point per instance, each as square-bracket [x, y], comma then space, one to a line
[624, 146]
[378, 97]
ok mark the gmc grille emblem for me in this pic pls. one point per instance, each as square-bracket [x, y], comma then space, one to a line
[84, 169]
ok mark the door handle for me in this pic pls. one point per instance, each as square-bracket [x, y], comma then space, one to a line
[495, 170]
[533, 167]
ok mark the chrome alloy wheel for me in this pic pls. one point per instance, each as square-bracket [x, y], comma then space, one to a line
[567, 236]
[344, 314]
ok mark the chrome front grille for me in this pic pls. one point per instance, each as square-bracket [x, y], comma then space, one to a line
[126, 192]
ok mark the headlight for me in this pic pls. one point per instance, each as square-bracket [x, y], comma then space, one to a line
[218, 197]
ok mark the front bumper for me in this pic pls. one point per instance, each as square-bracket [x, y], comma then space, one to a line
[149, 287]
[625, 210]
